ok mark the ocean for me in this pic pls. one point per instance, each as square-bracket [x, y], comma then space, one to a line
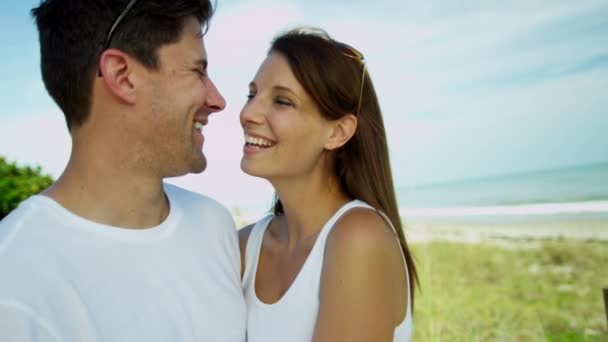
[560, 193]
[587, 183]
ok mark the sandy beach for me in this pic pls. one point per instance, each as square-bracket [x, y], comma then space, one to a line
[577, 220]
[420, 232]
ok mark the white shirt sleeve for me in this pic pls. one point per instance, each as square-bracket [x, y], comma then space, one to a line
[20, 323]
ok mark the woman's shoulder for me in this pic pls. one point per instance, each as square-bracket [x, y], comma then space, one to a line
[244, 236]
[362, 259]
[246, 231]
[360, 228]
[362, 240]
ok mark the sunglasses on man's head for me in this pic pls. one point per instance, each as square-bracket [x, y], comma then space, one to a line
[117, 22]
[353, 53]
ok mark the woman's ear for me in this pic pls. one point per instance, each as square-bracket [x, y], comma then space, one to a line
[341, 130]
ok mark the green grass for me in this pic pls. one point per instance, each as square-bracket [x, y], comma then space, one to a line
[524, 291]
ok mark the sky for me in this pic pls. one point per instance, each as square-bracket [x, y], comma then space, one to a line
[468, 89]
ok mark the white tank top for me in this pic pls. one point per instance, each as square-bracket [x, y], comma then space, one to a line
[292, 318]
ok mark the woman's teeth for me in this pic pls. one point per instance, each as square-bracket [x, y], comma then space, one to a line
[249, 140]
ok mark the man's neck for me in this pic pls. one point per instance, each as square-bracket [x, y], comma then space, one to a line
[110, 194]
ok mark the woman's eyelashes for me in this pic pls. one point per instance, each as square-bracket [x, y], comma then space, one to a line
[281, 101]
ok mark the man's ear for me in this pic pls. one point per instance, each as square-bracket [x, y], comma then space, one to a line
[116, 68]
[341, 131]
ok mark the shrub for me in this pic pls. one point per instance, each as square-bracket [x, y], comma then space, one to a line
[18, 183]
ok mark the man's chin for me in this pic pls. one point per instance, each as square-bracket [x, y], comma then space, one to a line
[199, 169]
[193, 167]
[199, 166]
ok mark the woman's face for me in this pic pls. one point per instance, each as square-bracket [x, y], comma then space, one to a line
[284, 131]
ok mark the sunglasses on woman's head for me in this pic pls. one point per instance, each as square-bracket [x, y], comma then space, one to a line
[353, 53]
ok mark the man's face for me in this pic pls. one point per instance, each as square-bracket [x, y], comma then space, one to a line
[177, 100]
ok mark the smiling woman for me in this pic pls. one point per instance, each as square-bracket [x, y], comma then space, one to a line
[333, 249]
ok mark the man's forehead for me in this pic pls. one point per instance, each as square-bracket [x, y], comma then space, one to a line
[188, 51]
[193, 36]
[193, 28]
[195, 32]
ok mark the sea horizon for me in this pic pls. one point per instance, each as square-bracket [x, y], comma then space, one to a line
[570, 193]
[561, 185]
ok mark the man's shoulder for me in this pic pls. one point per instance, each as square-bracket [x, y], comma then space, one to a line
[194, 202]
[184, 195]
[24, 251]
[31, 237]
[21, 217]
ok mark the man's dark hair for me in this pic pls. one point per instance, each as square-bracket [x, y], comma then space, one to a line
[72, 34]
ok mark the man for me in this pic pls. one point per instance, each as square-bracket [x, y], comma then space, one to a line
[110, 252]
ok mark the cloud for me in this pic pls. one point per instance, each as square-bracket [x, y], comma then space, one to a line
[590, 64]
[466, 88]
[240, 36]
[38, 139]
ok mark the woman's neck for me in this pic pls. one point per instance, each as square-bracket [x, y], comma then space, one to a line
[307, 206]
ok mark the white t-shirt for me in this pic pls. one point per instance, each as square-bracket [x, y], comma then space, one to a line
[292, 318]
[64, 278]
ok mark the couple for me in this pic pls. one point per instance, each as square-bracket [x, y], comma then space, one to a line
[112, 253]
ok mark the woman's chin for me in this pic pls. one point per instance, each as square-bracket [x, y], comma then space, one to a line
[249, 169]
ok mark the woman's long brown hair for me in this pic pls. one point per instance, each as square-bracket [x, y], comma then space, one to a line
[333, 77]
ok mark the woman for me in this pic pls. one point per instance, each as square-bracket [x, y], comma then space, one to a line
[331, 263]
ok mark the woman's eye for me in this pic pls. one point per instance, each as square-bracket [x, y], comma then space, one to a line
[283, 102]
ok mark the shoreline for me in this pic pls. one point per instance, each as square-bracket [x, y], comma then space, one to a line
[526, 210]
[568, 220]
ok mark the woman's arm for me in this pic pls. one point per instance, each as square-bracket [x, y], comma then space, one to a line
[363, 292]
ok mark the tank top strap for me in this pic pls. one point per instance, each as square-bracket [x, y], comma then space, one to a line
[361, 204]
[332, 221]
[253, 247]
